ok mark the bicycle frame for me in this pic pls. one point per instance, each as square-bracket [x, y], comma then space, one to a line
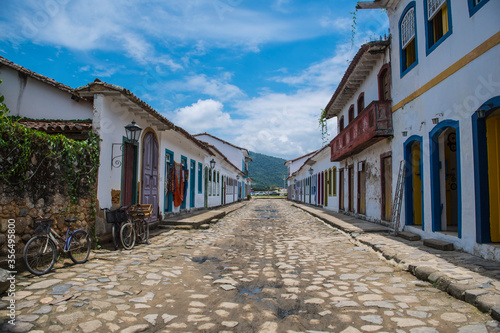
[56, 237]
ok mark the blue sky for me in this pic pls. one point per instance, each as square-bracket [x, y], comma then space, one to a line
[254, 73]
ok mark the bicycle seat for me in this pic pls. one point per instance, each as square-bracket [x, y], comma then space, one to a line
[70, 220]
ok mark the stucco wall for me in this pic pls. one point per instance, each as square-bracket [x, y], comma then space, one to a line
[455, 98]
[30, 98]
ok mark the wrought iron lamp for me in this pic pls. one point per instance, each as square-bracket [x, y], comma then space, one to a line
[311, 171]
[212, 164]
[132, 132]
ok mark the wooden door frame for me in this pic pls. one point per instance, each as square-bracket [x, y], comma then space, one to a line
[359, 187]
[146, 132]
[135, 168]
[382, 184]
[350, 187]
[341, 192]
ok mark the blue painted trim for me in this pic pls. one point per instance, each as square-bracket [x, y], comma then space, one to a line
[409, 179]
[168, 198]
[474, 8]
[192, 182]
[481, 181]
[404, 71]
[435, 179]
[200, 178]
[428, 29]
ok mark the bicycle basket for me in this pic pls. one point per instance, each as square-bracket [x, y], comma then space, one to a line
[116, 216]
[42, 227]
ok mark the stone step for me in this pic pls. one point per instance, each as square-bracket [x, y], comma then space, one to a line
[438, 244]
[409, 236]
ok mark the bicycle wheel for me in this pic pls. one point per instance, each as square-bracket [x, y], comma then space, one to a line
[115, 231]
[39, 255]
[141, 230]
[127, 235]
[79, 246]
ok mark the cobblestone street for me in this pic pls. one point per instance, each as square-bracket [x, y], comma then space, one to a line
[267, 267]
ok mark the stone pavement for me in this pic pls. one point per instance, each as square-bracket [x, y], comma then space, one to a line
[198, 218]
[464, 276]
[266, 267]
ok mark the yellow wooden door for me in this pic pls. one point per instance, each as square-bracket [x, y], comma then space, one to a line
[493, 140]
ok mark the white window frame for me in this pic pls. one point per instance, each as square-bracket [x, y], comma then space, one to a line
[433, 6]
[408, 27]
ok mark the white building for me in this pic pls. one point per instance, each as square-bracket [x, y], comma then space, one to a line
[165, 167]
[293, 166]
[446, 99]
[314, 180]
[237, 156]
[362, 147]
[35, 97]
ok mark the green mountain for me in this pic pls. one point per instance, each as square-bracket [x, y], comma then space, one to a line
[266, 171]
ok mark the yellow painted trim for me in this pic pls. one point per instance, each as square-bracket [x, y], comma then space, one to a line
[468, 58]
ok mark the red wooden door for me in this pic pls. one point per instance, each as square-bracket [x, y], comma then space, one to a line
[149, 178]
[128, 175]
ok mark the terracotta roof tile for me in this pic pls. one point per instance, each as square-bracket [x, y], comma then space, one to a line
[57, 126]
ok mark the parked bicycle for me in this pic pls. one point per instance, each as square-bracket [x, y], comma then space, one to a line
[41, 251]
[117, 218]
[137, 228]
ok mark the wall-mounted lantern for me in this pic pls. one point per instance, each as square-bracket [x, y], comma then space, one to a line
[212, 164]
[133, 133]
[311, 171]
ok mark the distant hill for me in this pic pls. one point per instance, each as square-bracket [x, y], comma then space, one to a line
[266, 171]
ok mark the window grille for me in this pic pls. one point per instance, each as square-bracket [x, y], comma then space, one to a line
[433, 7]
[408, 27]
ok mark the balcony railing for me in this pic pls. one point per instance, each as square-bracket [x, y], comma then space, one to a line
[373, 124]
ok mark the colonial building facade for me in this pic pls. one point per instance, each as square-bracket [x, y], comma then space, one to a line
[445, 64]
[166, 166]
[362, 147]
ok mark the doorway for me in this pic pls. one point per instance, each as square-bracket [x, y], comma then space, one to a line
[350, 181]
[150, 173]
[486, 140]
[445, 178]
[341, 189]
[361, 188]
[129, 180]
[386, 166]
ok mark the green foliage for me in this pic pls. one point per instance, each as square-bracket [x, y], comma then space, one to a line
[323, 126]
[266, 171]
[39, 165]
[353, 25]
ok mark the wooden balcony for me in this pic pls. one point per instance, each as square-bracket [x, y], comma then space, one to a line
[373, 124]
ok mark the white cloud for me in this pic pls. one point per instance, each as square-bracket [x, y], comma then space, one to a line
[214, 87]
[324, 73]
[284, 125]
[127, 25]
[203, 116]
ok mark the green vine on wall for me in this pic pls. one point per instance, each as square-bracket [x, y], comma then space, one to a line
[39, 164]
[323, 126]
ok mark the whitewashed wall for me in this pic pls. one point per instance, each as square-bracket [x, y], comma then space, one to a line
[234, 155]
[456, 98]
[32, 98]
